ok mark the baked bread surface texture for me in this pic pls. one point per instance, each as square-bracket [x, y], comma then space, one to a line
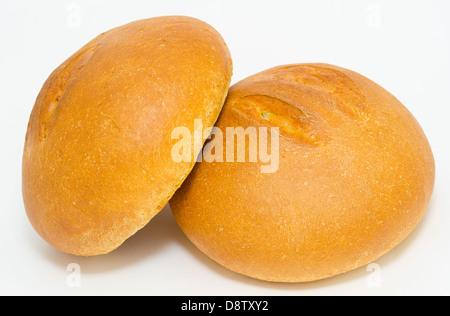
[355, 176]
[97, 163]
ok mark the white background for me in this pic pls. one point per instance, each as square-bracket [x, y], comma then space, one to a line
[403, 45]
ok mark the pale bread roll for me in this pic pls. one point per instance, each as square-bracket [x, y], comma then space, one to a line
[355, 176]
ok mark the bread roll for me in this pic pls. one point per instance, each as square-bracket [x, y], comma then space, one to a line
[97, 163]
[355, 176]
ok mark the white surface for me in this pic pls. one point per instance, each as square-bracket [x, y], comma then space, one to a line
[402, 45]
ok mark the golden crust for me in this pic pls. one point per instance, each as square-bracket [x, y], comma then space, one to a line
[97, 161]
[355, 176]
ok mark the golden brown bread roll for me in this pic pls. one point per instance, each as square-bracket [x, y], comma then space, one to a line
[355, 176]
[97, 161]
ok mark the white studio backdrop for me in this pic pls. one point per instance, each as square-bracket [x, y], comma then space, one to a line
[404, 45]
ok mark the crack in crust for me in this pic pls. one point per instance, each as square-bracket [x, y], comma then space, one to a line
[302, 100]
[59, 83]
[292, 121]
[344, 94]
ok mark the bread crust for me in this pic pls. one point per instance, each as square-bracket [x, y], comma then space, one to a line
[355, 176]
[97, 161]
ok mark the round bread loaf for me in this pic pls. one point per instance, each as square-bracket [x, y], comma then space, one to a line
[97, 163]
[355, 176]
